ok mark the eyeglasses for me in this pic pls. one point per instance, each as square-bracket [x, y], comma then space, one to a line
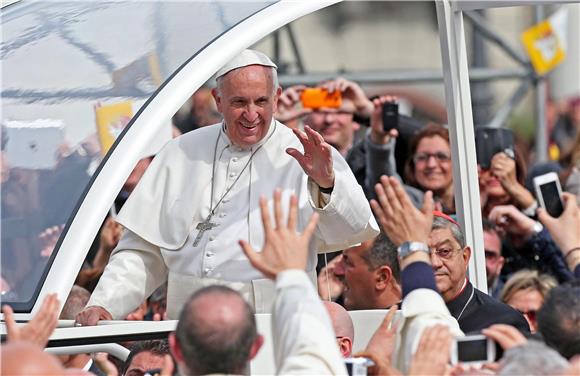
[440, 156]
[444, 253]
[491, 255]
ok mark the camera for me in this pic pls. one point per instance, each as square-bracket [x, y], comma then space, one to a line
[490, 141]
[473, 349]
[320, 98]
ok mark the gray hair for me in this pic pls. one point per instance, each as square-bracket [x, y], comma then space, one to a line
[442, 223]
[533, 358]
[275, 84]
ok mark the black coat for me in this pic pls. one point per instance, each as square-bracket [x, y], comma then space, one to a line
[483, 311]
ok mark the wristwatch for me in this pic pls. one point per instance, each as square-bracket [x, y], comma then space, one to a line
[407, 248]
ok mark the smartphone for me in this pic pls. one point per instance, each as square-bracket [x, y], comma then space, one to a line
[390, 116]
[490, 141]
[319, 97]
[549, 193]
[473, 349]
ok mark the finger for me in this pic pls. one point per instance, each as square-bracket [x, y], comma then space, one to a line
[379, 214]
[313, 136]
[11, 327]
[383, 201]
[278, 214]
[253, 256]
[394, 133]
[311, 227]
[391, 196]
[293, 214]
[300, 158]
[428, 205]
[265, 215]
[386, 324]
[570, 202]
[402, 196]
[302, 137]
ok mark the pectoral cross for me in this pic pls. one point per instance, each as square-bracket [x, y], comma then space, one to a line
[203, 227]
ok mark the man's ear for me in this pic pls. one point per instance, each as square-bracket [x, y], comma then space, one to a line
[345, 346]
[256, 346]
[174, 348]
[218, 100]
[383, 275]
[466, 256]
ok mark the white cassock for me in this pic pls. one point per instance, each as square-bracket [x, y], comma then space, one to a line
[175, 195]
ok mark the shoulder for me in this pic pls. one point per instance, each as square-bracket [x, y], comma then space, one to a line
[501, 311]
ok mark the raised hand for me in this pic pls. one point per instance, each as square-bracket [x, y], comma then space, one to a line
[508, 219]
[565, 229]
[288, 104]
[397, 215]
[38, 330]
[284, 248]
[317, 158]
[378, 135]
[353, 93]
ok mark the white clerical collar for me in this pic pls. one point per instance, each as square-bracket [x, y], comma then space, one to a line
[225, 139]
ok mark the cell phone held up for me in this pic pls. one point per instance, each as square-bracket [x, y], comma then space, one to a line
[490, 141]
[549, 193]
[390, 116]
[316, 98]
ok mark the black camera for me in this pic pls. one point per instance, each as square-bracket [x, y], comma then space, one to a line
[390, 116]
[490, 141]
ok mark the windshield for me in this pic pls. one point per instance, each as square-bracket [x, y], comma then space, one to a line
[73, 75]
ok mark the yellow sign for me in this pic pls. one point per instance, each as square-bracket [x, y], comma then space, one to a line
[111, 120]
[545, 45]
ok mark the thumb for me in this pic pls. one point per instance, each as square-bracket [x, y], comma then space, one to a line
[255, 259]
[11, 326]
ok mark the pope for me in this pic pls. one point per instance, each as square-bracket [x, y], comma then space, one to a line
[201, 196]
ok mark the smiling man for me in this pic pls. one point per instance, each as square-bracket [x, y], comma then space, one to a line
[200, 196]
[370, 273]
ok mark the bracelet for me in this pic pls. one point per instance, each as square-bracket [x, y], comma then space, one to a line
[570, 252]
[326, 190]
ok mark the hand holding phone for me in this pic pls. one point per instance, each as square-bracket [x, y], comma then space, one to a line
[490, 141]
[549, 193]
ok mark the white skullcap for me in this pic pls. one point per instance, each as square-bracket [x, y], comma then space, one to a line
[245, 58]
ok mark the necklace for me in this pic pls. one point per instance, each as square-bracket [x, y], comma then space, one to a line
[207, 225]
[466, 304]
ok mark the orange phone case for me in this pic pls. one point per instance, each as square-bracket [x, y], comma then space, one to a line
[318, 97]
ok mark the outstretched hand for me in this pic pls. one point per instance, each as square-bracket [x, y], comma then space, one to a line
[284, 248]
[317, 158]
[565, 229]
[397, 215]
[38, 330]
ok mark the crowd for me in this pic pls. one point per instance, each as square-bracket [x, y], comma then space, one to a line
[394, 233]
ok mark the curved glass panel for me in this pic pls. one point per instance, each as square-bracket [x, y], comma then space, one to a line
[73, 74]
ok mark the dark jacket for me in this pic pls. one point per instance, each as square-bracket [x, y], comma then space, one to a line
[481, 311]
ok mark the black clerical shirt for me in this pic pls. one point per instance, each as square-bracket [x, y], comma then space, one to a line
[481, 310]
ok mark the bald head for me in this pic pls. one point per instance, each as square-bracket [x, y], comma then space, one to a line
[21, 358]
[342, 325]
[216, 331]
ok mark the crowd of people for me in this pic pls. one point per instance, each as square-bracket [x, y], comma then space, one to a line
[213, 253]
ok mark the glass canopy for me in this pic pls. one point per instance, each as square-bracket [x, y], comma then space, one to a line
[66, 66]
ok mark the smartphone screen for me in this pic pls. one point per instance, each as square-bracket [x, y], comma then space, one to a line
[551, 198]
[472, 350]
